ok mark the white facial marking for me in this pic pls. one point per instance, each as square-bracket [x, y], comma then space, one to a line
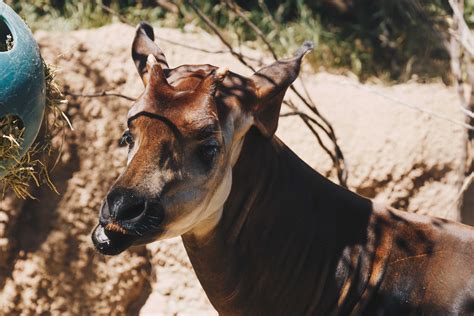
[155, 180]
[133, 151]
[245, 121]
[212, 210]
[151, 60]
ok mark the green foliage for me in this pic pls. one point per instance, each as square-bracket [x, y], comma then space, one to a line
[68, 15]
[392, 39]
[469, 13]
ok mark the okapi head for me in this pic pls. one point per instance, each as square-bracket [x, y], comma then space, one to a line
[184, 136]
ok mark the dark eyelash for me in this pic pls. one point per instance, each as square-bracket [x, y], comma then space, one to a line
[208, 151]
[211, 142]
[207, 132]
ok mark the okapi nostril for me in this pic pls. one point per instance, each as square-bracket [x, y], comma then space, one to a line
[124, 204]
[128, 212]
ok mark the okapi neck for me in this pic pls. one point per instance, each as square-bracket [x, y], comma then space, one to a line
[276, 202]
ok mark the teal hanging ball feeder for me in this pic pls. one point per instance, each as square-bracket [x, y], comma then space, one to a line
[22, 81]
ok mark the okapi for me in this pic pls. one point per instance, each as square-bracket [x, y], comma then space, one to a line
[265, 233]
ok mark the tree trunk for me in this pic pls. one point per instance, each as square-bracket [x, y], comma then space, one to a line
[460, 55]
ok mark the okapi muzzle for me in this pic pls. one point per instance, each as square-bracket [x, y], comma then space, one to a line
[184, 135]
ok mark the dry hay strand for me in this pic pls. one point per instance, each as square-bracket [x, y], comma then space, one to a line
[7, 45]
[32, 170]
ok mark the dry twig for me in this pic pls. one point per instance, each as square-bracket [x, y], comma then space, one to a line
[463, 33]
[102, 93]
[216, 31]
[307, 119]
[462, 50]
[126, 21]
[237, 10]
[169, 6]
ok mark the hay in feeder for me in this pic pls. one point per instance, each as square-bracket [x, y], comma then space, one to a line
[33, 168]
[7, 45]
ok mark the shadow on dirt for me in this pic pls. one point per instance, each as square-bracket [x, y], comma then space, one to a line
[37, 217]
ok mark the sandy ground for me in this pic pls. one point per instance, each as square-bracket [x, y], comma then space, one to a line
[47, 264]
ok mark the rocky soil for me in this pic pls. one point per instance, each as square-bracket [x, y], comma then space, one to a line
[47, 263]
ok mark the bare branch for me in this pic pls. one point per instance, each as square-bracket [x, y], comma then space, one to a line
[337, 162]
[464, 35]
[192, 47]
[126, 21]
[98, 95]
[168, 5]
[264, 7]
[237, 10]
[216, 31]
[116, 14]
[406, 104]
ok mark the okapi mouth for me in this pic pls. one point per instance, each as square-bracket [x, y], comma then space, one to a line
[111, 242]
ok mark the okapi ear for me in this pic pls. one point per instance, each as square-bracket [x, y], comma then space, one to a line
[271, 83]
[144, 45]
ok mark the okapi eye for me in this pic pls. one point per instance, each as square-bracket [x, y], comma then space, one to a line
[126, 139]
[208, 153]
